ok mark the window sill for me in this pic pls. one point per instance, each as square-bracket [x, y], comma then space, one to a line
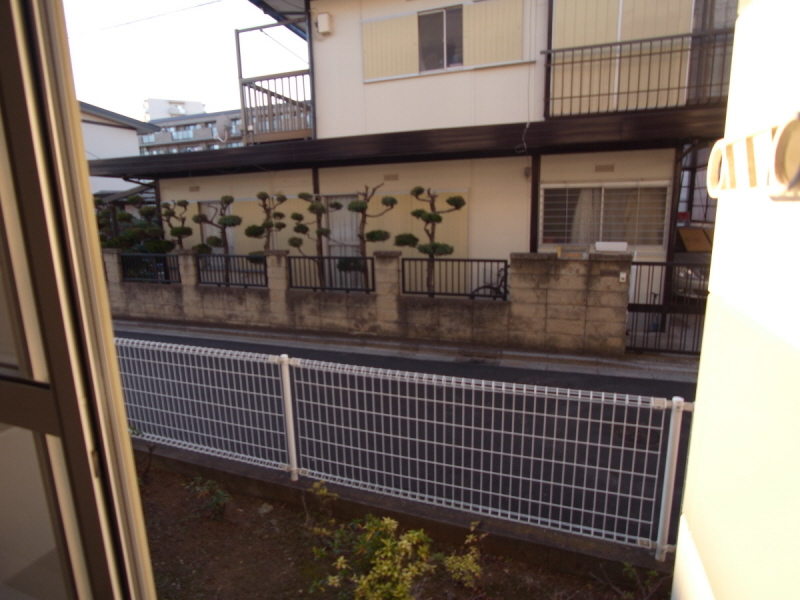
[460, 69]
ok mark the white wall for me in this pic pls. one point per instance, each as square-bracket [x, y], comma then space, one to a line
[741, 521]
[102, 140]
[346, 105]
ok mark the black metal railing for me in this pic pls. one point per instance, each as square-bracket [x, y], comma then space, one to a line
[232, 270]
[333, 273]
[667, 305]
[150, 268]
[469, 277]
[664, 72]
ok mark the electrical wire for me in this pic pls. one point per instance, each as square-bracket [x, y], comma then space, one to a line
[172, 12]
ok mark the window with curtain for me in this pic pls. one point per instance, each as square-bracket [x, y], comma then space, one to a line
[584, 215]
[441, 39]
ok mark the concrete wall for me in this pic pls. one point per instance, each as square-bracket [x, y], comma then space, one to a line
[740, 522]
[107, 140]
[555, 304]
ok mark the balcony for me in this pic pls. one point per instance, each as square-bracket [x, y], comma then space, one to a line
[656, 73]
[277, 107]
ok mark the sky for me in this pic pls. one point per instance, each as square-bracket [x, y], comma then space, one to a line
[125, 52]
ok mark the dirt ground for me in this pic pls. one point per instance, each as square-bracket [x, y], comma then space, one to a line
[260, 550]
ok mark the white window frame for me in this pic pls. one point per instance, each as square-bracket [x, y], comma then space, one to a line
[603, 185]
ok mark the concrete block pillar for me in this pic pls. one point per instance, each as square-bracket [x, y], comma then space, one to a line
[192, 306]
[111, 262]
[607, 302]
[387, 289]
[278, 280]
[187, 265]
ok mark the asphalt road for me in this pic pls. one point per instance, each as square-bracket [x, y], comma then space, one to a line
[474, 369]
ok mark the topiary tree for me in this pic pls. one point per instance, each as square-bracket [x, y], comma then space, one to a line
[431, 218]
[119, 229]
[361, 206]
[318, 208]
[221, 220]
[273, 219]
[176, 219]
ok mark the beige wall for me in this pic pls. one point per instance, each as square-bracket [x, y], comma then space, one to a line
[494, 223]
[347, 105]
[740, 522]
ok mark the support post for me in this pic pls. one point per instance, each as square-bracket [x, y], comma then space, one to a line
[288, 412]
[668, 490]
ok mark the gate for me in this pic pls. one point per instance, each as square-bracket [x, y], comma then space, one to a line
[667, 305]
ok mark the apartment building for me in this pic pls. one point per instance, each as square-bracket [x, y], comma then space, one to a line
[191, 132]
[562, 123]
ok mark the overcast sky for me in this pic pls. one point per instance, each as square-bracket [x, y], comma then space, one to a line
[125, 52]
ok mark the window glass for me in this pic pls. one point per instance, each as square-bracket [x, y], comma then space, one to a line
[441, 39]
[613, 214]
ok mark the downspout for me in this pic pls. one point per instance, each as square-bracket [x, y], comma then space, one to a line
[536, 177]
[310, 41]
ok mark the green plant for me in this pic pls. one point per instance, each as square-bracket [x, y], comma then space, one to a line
[319, 207]
[220, 219]
[174, 215]
[431, 217]
[646, 584]
[213, 498]
[273, 219]
[464, 566]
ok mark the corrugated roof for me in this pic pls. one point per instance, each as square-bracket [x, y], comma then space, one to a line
[282, 10]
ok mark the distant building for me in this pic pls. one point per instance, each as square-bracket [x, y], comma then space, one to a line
[193, 132]
[157, 108]
[108, 134]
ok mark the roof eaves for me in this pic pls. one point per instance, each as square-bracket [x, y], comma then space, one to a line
[140, 126]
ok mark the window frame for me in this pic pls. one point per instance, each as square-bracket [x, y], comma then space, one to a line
[446, 65]
[603, 186]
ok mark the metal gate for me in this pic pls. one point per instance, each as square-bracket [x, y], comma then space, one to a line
[667, 305]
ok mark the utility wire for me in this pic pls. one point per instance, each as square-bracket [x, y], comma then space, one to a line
[305, 60]
[172, 12]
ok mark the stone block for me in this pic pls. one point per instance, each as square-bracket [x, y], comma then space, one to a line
[567, 297]
[490, 315]
[565, 327]
[610, 299]
[333, 324]
[565, 343]
[603, 329]
[456, 334]
[303, 302]
[606, 283]
[532, 295]
[526, 338]
[530, 312]
[567, 282]
[494, 336]
[419, 331]
[566, 312]
[605, 345]
[456, 315]
[567, 266]
[539, 264]
[606, 314]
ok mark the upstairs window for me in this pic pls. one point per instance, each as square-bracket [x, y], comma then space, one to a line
[441, 40]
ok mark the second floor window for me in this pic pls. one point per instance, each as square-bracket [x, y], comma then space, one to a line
[441, 42]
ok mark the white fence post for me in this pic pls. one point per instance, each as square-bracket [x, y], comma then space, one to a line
[288, 410]
[667, 492]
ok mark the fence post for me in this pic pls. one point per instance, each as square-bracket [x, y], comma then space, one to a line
[668, 490]
[288, 411]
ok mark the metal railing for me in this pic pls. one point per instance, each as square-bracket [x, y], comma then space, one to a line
[232, 270]
[667, 306]
[469, 277]
[150, 268]
[595, 464]
[277, 106]
[332, 273]
[664, 72]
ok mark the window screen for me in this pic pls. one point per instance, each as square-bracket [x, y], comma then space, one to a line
[614, 214]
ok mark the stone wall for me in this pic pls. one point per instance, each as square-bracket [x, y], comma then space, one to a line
[555, 304]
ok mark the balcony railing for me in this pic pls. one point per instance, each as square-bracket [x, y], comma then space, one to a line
[664, 72]
[277, 107]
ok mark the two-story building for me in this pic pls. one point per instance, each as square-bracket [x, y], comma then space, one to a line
[561, 122]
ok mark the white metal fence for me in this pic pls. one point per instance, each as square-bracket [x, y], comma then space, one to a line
[590, 463]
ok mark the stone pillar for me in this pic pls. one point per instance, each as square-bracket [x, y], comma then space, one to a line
[192, 303]
[113, 269]
[278, 279]
[387, 290]
[527, 284]
[607, 303]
